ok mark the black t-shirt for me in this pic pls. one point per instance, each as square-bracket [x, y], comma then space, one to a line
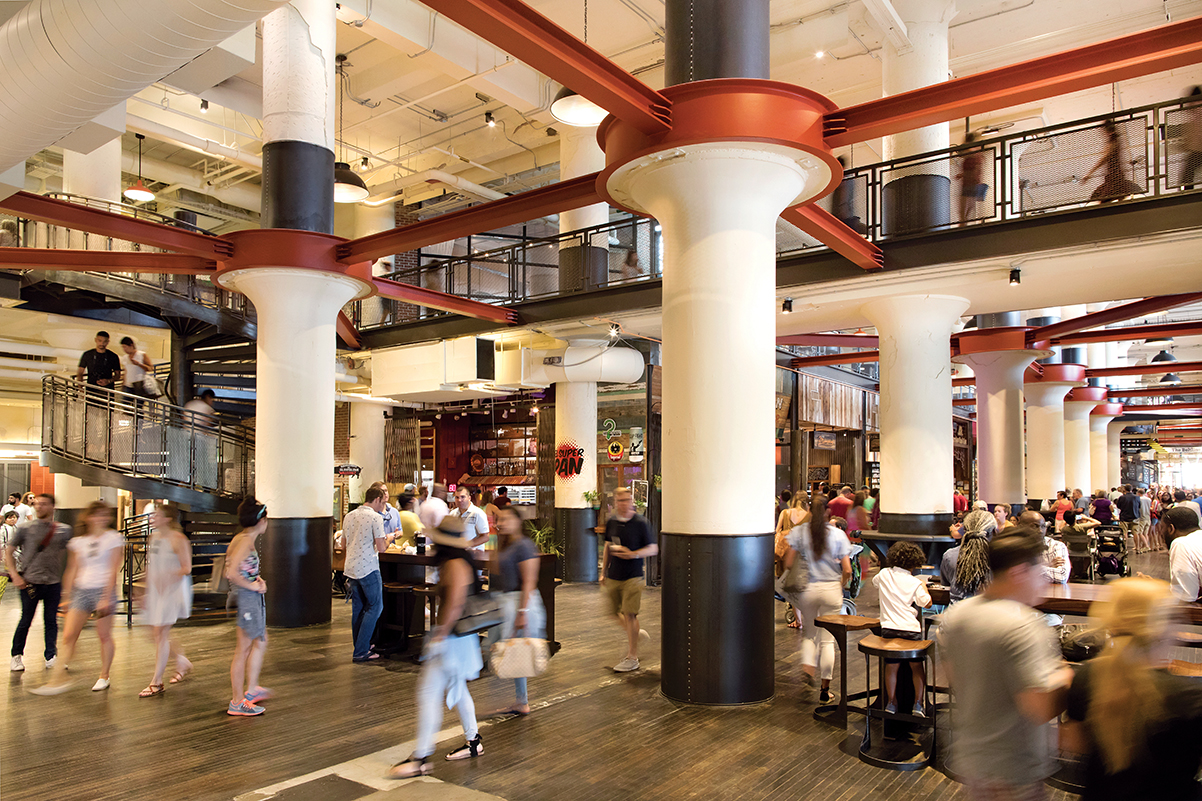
[634, 534]
[1128, 506]
[1168, 767]
[99, 365]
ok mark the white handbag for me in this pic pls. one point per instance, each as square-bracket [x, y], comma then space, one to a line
[519, 658]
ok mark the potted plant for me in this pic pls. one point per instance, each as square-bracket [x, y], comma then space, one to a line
[544, 538]
[593, 498]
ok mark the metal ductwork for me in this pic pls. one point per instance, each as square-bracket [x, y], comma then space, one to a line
[616, 365]
[68, 61]
[388, 190]
[194, 143]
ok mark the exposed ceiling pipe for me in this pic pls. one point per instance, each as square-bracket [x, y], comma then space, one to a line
[33, 349]
[352, 398]
[37, 367]
[243, 196]
[387, 191]
[207, 147]
[71, 60]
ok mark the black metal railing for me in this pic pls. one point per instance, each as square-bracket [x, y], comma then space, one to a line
[136, 533]
[146, 438]
[866, 369]
[192, 288]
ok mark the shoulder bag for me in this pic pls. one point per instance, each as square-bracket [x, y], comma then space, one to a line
[481, 611]
[519, 658]
[151, 385]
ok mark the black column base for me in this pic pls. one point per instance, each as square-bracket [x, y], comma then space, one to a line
[296, 554]
[575, 530]
[718, 637]
[583, 268]
[934, 525]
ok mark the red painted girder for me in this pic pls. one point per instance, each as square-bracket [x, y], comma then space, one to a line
[1163, 407]
[104, 261]
[420, 296]
[1164, 48]
[348, 332]
[552, 199]
[118, 226]
[1115, 314]
[1188, 329]
[1145, 369]
[964, 382]
[537, 41]
[829, 340]
[1152, 392]
[832, 232]
[837, 358]
[964, 401]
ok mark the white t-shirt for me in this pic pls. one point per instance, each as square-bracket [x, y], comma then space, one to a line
[134, 372]
[93, 555]
[899, 592]
[475, 522]
[1185, 566]
[24, 512]
[361, 528]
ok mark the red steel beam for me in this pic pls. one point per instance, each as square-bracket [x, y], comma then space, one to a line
[829, 340]
[1163, 407]
[1116, 314]
[348, 332]
[552, 199]
[420, 296]
[832, 232]
[964, 382]
[105, 261]
[964, 401]
[1167, 389]
[118, 226]
[837, 358]
[535, 40]
[1144, 369]
[1190, 329]
[1164, 48]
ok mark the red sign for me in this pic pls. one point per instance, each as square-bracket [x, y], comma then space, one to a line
[569, 460]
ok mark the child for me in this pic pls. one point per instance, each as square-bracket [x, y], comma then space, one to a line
[899, 592]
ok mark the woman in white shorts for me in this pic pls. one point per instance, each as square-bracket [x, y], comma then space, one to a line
[168, 593]
[93, 559]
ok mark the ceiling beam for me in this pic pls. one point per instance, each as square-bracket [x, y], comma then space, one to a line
[537, 41]
[1152, 392]
[835, 234]
[420, 296]
[118, 226]
[1163, 407]
[1135, 332]
[550, 199]
[105, 261]
[1156, 50]
[347, 331]
[1144, 369]
[964, 382]
[829, 340]
[1115, 314]
[837, 358]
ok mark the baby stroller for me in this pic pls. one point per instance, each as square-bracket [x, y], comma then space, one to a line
[1110, 553]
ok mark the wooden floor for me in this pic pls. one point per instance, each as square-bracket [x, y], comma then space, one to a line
[593, 734]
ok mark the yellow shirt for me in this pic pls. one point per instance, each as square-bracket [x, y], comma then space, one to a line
[410, 526]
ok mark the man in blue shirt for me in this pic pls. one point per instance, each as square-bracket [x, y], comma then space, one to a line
[392, 518]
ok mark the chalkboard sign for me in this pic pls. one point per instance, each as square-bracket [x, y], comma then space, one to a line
[824, 440]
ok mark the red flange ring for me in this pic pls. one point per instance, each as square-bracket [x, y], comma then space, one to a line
[1085, 394]
[293, 249]
[1057, 374]
[992, 340]
[726, 110]
[1108, 410]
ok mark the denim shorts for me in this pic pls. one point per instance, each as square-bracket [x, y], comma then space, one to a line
[89, 599]
[252, 613]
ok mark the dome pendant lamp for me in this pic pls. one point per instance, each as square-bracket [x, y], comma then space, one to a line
[572, 109]
[348, 185]
[138, 192]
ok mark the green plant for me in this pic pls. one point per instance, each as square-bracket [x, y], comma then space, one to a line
[657, 481]
[640, 507]
[592, 497]
[544, 538]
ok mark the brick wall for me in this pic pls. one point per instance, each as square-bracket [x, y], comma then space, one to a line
[406, 215]
[342, 452]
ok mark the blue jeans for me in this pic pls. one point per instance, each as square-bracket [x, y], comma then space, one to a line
[367, 602]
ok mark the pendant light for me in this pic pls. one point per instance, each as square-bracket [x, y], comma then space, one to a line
[572, 109]
[138, 192]
[348, 185]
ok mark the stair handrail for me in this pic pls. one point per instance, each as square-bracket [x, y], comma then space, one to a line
[135, 531]
[144, 438]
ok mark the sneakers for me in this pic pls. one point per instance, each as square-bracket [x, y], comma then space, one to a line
[469, 750]
[52, 689]
[825, 696]
[51, 662]
[919, 711]
[101, 684]
[17, 665]
[258, 694]
[891, 707]
[627, 665]
[245, 709]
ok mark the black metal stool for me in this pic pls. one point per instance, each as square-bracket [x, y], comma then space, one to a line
[900, 755]
[838, 626]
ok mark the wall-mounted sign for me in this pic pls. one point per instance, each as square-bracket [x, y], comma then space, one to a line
[874, 443]
[351, 470]
[476, 461]
[610, 429]
[824, 440]
[636, 444]
[569, 460]
[616, 451]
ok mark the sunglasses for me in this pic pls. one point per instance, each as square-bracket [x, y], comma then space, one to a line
[262, 513]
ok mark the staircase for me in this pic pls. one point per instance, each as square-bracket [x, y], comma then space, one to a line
[151, 448]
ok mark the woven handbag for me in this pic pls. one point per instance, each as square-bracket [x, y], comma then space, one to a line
[519, 658]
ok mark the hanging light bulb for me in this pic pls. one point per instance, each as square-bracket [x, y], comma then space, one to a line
[579, 112]
[138, 192]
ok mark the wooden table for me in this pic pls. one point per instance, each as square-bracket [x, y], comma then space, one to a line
[1067, 599]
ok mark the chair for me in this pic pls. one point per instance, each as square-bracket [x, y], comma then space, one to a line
[838, 626]
[899, 754]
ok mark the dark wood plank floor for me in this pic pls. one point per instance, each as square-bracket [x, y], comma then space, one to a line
[593, 735]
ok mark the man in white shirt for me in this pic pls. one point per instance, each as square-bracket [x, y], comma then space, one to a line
[363, 529]
[14, 498]
[475, 522]
[1180, 528]
[135, 364]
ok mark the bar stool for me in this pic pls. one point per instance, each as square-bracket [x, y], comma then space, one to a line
[898, 755]
[838, 626]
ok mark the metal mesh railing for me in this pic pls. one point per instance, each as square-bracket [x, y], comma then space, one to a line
[146, 438]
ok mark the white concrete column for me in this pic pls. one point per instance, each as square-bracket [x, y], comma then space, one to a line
[96, 174]
[1114, 453]
[367, 447]
[1078, 407]
[916, 403]
[71, 494]
[924, 63]
[1099, 474]
[299, 85]
[1095, 352]
[575, 442]
[1001, 473]
[579, 154]
[1045, 437]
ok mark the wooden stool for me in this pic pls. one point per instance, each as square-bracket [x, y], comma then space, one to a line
[1179, 668]
[883, 756]
[399, 594]
[1189, 639]
[838, 626]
